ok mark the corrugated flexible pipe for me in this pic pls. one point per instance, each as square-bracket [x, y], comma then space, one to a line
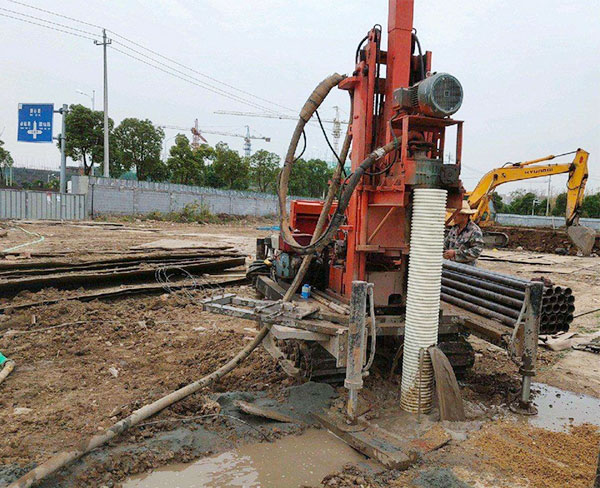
[423, 297]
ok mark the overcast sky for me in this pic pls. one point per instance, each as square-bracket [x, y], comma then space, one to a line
[530, 70]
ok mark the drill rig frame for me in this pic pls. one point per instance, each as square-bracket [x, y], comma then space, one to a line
[360, 233]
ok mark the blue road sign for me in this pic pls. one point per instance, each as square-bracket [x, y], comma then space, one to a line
[35, 122]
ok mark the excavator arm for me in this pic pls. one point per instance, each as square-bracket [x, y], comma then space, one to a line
[480, 197]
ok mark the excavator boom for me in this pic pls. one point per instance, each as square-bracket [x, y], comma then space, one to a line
[480, 197]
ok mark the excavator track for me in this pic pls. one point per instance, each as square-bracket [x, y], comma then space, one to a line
[316, 364]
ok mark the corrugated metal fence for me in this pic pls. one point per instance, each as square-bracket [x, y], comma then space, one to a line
[542, 221]
[108, 196]
[39, 205]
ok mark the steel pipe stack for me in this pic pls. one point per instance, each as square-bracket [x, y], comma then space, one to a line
[500, 297]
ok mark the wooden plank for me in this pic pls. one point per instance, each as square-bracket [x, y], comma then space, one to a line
[482, 327]
[265, 412]
[126, 290]
[230, 310]
[219, 299]
[373, 443]
[269, 288]
[123, 258]
[282, 332]
[319, 326]
[96, 278]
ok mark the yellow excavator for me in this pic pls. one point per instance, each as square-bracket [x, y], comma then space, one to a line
[480, 198]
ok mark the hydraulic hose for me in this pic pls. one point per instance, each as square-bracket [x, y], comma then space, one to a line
[343, 202]
[312, 104]
[336, 181]
[309, 108]
[62, 459]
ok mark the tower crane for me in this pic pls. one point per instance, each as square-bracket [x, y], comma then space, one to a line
[198, 138]
[336, 132]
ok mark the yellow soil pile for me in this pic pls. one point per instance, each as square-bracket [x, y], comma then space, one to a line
[546, 459]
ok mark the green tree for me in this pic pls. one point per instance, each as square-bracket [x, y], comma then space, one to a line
[499, 205]
[85, 136]
[310, 178]
[591, 206]
[6, 162]
[137, 145]
[560, 205]
[228, 169]
[186, 166]
[53, 184]
[264, 168]
[522, 203]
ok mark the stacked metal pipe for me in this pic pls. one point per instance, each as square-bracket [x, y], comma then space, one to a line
[500, 297]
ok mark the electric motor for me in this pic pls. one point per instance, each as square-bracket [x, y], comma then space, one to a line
[439, 95]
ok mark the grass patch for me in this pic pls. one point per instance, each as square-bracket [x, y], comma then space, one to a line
[193, 213]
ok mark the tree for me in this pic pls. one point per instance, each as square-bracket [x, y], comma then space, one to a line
[6, 162]
[591, 206]
[264, 168]
[186, 166]
[560, 205]
[499, 205]
[228, 169]
[85, 136]
[137, 145]
[522, 203]
[309, 178]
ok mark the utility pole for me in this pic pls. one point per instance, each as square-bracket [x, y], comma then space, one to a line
[62, 138]
[548, 197]
[105, 42]
[247, 143]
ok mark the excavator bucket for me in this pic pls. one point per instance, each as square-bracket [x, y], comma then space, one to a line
[583, 238]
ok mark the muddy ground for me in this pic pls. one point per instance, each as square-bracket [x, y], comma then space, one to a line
[82, 366]
[540, 239]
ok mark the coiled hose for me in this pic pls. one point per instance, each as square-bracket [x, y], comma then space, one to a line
[336, 181]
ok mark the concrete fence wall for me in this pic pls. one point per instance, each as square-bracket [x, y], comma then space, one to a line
[542, 221]
[110, 196]
[40, 205]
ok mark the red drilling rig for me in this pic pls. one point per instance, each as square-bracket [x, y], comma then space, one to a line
[410, 106]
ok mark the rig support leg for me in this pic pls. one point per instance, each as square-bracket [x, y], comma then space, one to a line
[533, 296]
[356, 346]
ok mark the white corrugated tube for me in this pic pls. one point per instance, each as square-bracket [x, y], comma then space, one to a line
[423, 298]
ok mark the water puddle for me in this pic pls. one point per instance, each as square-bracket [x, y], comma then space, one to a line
[291, 462]
[558, 409]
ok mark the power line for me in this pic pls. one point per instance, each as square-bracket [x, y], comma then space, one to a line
[196, 82]
[204, 75]
[189, 79]
[47, 27]
[48, 21]
[208, 86]
[54, 13]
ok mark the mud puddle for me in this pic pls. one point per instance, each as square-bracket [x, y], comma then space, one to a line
[558, 409]
[291, 462]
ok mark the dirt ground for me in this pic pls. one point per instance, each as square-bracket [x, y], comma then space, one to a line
[82, 366]
[539, 239]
